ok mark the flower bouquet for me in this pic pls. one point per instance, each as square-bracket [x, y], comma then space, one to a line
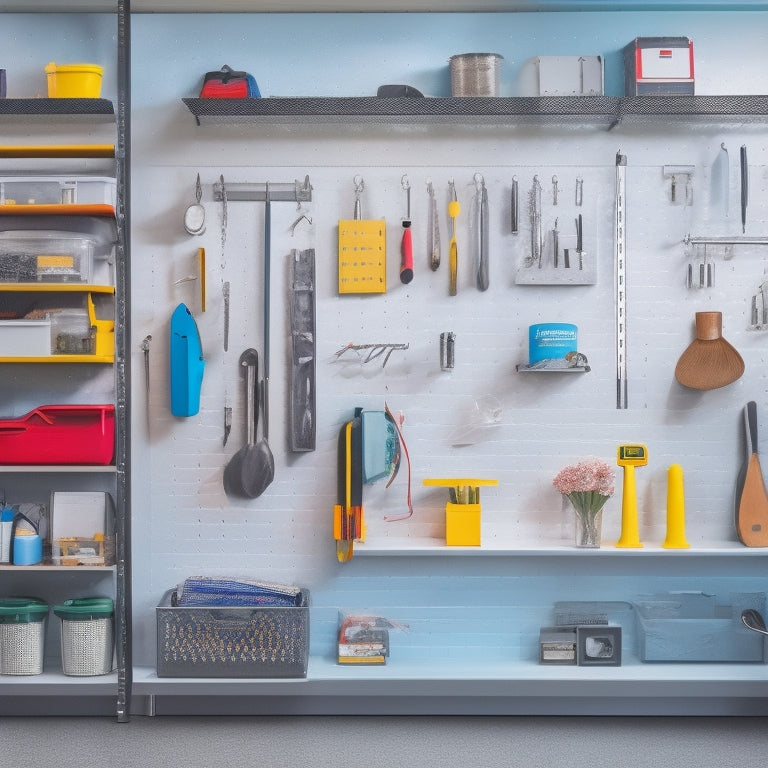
[587, 485]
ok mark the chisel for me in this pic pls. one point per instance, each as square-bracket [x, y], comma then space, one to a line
[744, 188]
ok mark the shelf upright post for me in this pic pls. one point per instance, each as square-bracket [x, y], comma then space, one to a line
[122, 363]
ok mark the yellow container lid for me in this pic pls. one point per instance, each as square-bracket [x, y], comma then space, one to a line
[52, 68]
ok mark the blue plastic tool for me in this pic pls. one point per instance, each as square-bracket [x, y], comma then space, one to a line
[187, 363]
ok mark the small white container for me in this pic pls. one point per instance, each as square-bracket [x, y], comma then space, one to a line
[25, 338]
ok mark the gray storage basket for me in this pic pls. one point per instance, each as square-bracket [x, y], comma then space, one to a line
[22, 648]
[86, 646]
[249, 641]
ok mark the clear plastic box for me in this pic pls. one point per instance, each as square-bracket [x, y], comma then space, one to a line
[56, 190]
[45, 256]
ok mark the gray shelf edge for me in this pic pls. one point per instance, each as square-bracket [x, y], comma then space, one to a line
[58, 110]
[594, 111]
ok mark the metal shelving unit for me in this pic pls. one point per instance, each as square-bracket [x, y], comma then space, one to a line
[89, 112]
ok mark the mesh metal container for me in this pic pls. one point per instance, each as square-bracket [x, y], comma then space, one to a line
[22, 636]
[87, 636]
[475, 74]
[219, 641]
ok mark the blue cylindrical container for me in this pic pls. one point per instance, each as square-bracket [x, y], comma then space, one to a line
[551, 341]
[27, 549]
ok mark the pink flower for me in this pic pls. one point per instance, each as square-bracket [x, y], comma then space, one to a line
[592, 475]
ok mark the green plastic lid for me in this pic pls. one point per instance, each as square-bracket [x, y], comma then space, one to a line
[22, 610]
[85, 609]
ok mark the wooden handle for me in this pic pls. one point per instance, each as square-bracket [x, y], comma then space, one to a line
[709, 325]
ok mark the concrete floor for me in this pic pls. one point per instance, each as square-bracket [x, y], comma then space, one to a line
[376, 742]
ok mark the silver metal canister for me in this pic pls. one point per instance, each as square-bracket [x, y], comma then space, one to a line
[475, 74]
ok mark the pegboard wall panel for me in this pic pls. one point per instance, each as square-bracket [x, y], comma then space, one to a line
[483, 418]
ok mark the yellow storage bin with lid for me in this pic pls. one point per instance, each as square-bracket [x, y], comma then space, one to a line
[463, 511]
[74, 81]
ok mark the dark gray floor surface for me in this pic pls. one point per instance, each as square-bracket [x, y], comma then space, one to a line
[375, 742]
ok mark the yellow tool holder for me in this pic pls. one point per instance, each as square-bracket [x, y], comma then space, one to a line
[462, 518]
[362, 256]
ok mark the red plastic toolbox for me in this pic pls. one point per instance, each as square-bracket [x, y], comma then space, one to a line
[59, 434]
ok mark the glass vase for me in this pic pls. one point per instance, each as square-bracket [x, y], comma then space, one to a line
[589, 528]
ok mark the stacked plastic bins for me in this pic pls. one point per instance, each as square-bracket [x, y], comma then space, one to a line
[87, 634]
[22, 635]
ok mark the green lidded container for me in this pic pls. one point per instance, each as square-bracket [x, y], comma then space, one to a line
[85, 609]
[86, 635]
[22, 610]
[22, 635]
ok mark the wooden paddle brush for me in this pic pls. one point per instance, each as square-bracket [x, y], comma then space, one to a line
[710, 361]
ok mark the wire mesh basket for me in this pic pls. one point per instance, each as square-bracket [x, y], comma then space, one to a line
[87, 636]
[22, 647]
[86, 647]
[22, 635]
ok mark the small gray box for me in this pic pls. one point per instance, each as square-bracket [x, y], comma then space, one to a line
[570, 75]
[557, 645]
[247, 641]
[599, 646]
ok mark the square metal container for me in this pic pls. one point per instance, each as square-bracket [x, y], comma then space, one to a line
[692, 626]
[248, 641]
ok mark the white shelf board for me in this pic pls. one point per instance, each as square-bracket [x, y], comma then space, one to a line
[56, 683]
[462, 677]
[411, 547]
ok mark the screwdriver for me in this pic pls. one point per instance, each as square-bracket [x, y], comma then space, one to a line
[454, 209]
[406, 247]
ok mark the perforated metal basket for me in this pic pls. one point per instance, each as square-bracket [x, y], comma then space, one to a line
[86, 635]
[21, 648]
[22, 635]
[86, 647]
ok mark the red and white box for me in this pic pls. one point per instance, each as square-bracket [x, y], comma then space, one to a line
[659, 65]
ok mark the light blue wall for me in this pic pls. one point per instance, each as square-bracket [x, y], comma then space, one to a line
[351, 55]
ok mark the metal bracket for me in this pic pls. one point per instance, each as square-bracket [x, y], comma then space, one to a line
[295, 191]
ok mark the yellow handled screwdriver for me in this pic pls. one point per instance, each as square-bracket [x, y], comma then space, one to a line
[454, 209]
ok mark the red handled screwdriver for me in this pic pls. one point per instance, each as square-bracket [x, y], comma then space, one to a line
[406, 247]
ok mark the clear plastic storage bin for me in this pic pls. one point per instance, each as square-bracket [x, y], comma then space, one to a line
[45, 256]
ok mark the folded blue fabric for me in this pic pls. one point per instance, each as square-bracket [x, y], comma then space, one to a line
[209, 591]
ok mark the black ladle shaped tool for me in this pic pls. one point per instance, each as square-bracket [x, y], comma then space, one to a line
[252, 468]
[753, 620]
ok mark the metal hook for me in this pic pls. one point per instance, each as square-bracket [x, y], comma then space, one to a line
[303, 216]
[404, 183]
[359, 185]
[479, 180]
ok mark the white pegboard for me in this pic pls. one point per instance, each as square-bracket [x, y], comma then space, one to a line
[183, 522]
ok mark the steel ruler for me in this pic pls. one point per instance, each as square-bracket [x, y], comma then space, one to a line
[620, 240]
